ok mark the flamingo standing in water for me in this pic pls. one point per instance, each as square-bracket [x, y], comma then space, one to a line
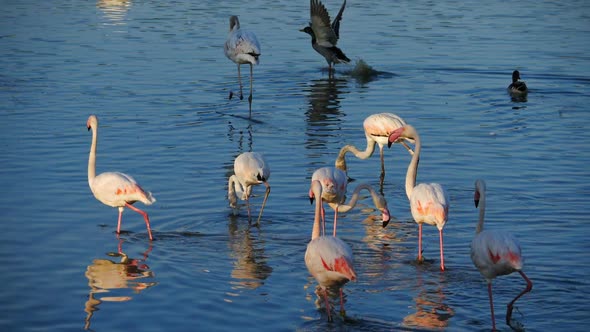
[429, 202]
[328, 258]
[495, 253]
[242, 47]
[250, 169]
[333, 182]
[113, 188]
[377, 127]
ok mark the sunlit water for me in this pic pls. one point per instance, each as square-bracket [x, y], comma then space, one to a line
[155, 74]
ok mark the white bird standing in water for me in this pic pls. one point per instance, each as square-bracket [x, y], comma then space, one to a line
[377, 127]
[250, 169]
[113, 188]
[325, 35]
[495, 253]
[242, 47]
[429, 202]
[334, 183]
[328, 258]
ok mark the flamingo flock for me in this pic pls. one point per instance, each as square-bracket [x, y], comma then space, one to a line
[328, 258]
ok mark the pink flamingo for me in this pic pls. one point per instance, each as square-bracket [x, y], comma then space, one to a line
[334, 182]
[113, 188]
[241, 47]
[495, 253]
[250, 169]
[328, 258]
[429, 202]
[377, 127]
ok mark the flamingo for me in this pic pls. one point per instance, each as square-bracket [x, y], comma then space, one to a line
[429, 202]
[517, 87]
[334, 185]
[495, 253]
[242, 47]
[328, 258]
[325, 35]
[377, 127]
[250, 169]
[113, 188]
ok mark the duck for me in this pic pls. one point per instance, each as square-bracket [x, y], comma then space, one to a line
[325, 35]
[517, 86]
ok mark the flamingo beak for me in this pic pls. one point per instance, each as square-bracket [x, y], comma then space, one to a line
[386, 217]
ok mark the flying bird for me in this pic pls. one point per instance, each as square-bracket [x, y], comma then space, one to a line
[325, 35]
[429, 202]
[242, 47]
[113, 188]
[495, 253]
[250, 169]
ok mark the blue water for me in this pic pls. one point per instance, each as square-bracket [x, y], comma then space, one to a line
[155, 74]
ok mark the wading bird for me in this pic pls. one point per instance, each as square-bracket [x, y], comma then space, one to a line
[495, 253]
[429, 202]
[113, 188]
[328, 259]
[325, 35]
[377, 127]
[333, 182]
[242, 47]
[250, 169]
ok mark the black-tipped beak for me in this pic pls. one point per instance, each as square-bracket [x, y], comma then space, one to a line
[476, 201]
[88, 128]
[386, 222]
[311, 200]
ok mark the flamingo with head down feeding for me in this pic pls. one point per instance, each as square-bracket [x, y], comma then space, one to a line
[377, 127]
[250, 169]
[334, 183]
[113, 188]
[328, 258]
[429, 202]
[495, 253]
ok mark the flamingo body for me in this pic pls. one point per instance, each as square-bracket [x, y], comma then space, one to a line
[113, 188]
[495, 253]
[242, 47]
[250, 169]
[429, 202]
[328, 259]
[377, 128]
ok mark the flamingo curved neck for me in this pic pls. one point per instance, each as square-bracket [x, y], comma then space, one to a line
[355, 196]
[413, 166]
[92, 157]
[341, 161]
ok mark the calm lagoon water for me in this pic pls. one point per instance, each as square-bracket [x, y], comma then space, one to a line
[155, 74]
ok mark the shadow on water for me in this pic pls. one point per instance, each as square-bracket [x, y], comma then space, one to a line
[116, 277]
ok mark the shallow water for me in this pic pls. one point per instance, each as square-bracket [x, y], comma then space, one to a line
[156, 76]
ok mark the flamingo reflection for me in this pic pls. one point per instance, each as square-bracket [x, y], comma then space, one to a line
[250, 268]
[114, 10]
[431, 311]
[108, 276]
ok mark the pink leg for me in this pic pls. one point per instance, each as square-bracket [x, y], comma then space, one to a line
[248, 206]
[328, 309]
[335, 220]
[323, 220]
[342, 311]
[145, 217]
[419, 243]
[119, 222]
[529, 286]
[442, 256]
[491, 306]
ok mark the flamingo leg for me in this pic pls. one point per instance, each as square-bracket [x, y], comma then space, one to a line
[491, 306]
[323, 220]
[250, 96]
[342, 311]
[419, 243]
[442, 256]
[240, 82]
[145, 217]
[335, 220]
[529, 286]
[248, 206]
[328, 309]
[119, 222]
[267, 192]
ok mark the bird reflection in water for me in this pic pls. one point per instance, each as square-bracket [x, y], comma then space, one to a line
[114, 10]
[246, 243]
[431, 311]
[108, 276]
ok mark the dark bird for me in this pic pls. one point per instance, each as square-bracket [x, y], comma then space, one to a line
[517, 86]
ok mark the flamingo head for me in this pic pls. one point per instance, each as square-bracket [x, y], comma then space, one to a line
[386, 216]
[395, 136]
[92, 122]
